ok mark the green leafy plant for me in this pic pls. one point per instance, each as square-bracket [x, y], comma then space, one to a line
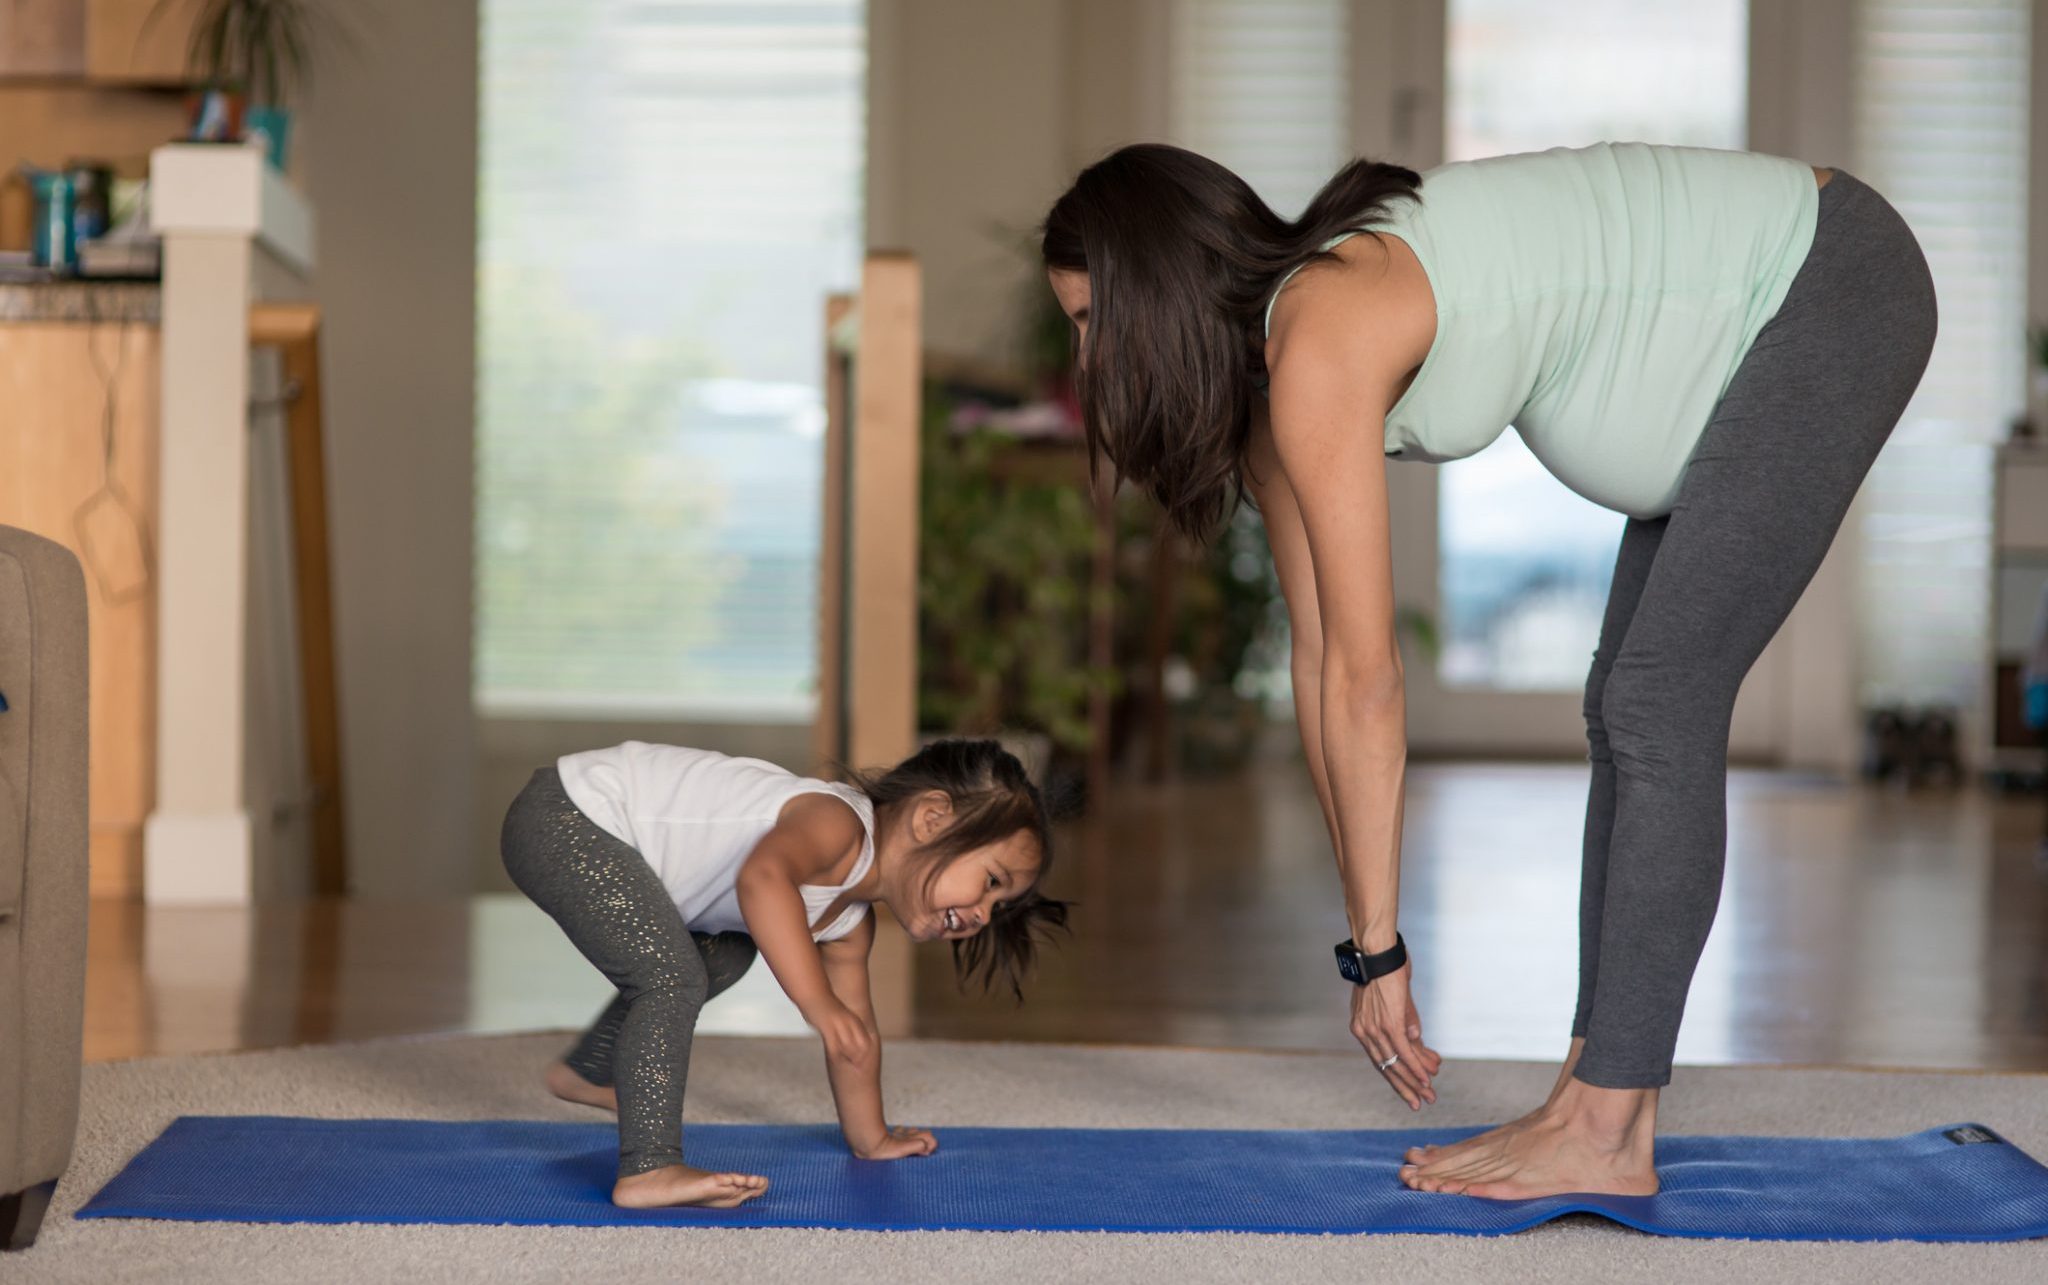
[1003, 591]
[261, 48]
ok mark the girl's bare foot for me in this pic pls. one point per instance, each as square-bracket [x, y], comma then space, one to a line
[682, 1185]
[571, 1087]
[1587, 1140]
[1479, 1141]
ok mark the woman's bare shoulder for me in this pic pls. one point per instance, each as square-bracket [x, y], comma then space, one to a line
[1368, 314]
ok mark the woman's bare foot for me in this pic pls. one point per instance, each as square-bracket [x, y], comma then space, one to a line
[1587, 1140]
[682, 1185]
[571, 1087]
[1479, 1141]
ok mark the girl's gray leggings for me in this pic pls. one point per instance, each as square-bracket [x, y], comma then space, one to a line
[613, 907]
[1699, 592]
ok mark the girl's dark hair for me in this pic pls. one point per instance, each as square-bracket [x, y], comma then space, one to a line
[993, 798]
[1182, 258]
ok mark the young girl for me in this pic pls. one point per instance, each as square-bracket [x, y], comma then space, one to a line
[667, 867]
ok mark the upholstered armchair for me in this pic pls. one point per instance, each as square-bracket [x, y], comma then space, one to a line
[43, 833]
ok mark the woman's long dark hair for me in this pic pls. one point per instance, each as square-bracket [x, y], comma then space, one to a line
[993, 798]
[1182, 257]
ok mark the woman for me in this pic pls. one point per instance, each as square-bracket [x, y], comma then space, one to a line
[1713, 343]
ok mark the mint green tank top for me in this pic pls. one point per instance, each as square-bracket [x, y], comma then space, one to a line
[1597, 300]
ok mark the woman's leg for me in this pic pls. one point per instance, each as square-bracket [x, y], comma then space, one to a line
[1767, 488]
[1639, 540]
[1790, 443]
[614, 909]
[1639, 543]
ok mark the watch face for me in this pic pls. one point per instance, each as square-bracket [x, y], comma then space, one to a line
[1347, 964]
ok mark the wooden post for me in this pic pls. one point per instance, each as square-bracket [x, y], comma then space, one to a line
[294, 329]
[216, 208]
[828, 729]
[882, 514]
[867, 599]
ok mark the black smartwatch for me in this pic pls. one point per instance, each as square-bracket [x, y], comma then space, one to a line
[1360, 968]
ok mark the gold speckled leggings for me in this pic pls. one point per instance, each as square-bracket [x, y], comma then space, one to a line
[614, 909]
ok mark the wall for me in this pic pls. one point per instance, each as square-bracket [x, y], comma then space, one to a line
[2037, 244]
[390, 141]
[968, 150]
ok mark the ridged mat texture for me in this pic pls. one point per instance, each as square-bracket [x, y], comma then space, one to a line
[1957, 1183]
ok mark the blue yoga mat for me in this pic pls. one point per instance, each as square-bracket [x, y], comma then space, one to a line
[1959, 1183]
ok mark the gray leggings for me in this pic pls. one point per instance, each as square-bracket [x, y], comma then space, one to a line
[613, 907]
[1699, 592]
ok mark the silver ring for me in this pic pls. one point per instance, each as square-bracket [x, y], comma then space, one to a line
[1391, 1059]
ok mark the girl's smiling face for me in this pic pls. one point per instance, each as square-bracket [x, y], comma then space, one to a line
[964, 896]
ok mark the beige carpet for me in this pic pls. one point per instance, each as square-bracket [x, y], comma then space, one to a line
[126, 1104]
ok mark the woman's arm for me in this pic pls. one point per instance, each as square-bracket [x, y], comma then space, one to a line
[857, 1079]
[1289, 543]
[1339, 350]
[1330, 530]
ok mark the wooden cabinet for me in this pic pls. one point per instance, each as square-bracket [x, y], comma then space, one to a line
[123, 45]
[115, 42]
[42, 37]
[78, 464]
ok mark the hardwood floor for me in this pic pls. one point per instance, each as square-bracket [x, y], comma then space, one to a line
[1857, 927]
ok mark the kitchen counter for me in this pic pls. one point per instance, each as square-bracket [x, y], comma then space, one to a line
[81, 301]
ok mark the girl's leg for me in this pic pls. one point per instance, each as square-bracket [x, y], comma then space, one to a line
[727, 956]
[616, 912]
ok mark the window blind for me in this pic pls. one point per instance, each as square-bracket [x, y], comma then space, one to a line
[1263, 87]
[667, 191]
[1941, 120]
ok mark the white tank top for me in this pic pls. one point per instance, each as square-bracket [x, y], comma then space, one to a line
[696, 814]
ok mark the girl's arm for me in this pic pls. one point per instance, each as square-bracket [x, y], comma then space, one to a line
[814, 834]
[828, 983]
[857, 1080]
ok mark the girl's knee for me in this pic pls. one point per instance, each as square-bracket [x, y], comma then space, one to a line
[669, 984]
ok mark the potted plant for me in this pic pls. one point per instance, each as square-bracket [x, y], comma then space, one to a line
[248, 59]
[1003, 595]
[1232, 644]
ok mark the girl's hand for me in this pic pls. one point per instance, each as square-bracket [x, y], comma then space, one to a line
[848, 1038]
[1384, 1020]
[899, 1142]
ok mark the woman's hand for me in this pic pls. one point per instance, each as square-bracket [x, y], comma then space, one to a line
[1384, 1020]
[897, 1143]
[848, 1038]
